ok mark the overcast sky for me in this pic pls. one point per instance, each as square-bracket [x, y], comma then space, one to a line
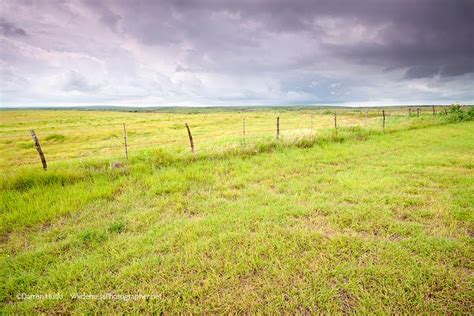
[204, 52]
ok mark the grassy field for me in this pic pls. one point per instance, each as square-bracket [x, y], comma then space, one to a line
[74, 136]
[357, 220]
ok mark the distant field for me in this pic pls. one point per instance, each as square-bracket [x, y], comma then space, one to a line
[72, 136]
[358, 220]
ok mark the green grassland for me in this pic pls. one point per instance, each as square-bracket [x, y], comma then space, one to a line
[79, 135]
[355, 220]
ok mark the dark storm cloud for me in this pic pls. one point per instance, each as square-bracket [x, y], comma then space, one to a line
[269, 51]
[428, 37]
[10, 30]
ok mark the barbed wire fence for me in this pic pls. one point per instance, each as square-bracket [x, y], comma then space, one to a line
[118, 141]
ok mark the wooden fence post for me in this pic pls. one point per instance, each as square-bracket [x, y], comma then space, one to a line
[383, 119]
[243, 130]
[409, 112]
[335, 120]
[434, 111]
[125, 141]
[417, 112]
[190, 137]
[38, 148]
[278, 128]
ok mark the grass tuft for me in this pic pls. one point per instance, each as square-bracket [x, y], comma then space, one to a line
[58, 138]
[90, 236]
[117, 227]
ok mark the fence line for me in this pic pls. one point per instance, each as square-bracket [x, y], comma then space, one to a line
[248, 128]
[161, 124]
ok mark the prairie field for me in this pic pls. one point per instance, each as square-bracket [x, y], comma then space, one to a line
[362, 218]
[72, 136]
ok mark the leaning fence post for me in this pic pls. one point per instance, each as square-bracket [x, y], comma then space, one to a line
[125, 141]
[278, 128]
[243, 130]
[409, 112]
[383, 119]
[417, 112]
[38, 148]
[434, 111]
[190, 137]
[335, 120]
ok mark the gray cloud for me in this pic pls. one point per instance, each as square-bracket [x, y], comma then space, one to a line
[247, 51]
[10, 30]
[75, 81]
[422, 71]
[421, 34]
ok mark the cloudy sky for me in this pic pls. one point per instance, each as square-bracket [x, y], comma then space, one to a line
[217, 52]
